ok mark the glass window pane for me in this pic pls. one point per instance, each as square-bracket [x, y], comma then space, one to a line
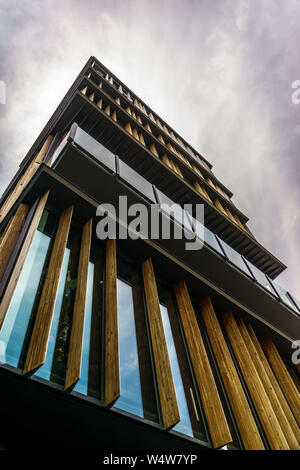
[82, 384]
[95, 149]
[296, 302]
[175, 210]
[210, 239]
[45, 371]
[136, 180]
[234, 257]
[283, 295]
[260, 277]
[131, 397]
[15, 325]
[184, 426]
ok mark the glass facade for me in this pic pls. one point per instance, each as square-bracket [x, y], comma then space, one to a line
[45, 371]
[191, 420]
[131, 396]
[184, 424]
[18, 320]
[82, 384]
[138, 389]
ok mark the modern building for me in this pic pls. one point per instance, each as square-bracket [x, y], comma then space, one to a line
[136, 342]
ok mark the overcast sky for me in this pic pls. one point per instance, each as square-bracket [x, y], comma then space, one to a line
[220, 72]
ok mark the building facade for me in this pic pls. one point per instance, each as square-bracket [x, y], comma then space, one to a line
[137, 342]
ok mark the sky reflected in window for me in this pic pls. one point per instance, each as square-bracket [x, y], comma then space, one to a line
[18, 315]
[131, 397]
[184, 426]
[45, 371]
[82, 384]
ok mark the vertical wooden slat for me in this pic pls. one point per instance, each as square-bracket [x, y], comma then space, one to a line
[238, 401]
[24, 179]
[260, 399]
[37, 349]
[75, 349]
[21, 258]
[10, 235]
[286, 409]
[112, 367]
[216, 419]
[280, 415]
[283, 377]
[166, 390]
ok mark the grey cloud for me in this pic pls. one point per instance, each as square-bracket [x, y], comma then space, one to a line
[219, 72]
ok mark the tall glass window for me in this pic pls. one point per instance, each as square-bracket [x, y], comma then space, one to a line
[191, 422]
[82, 384]
[184, 424]
[14, 332]
[138, 394]
[131, 396]
[45, 371]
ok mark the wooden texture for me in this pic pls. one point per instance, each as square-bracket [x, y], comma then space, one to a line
[75, 349]
[112, 366]
[153, 150]
[10, 235]
[24, 179]
[236, 395]
[280, 415]
[21, 258]
[37, 349]
[166, 390]
[285, 407]
[258, 394]
[283, 377]
[215, 416]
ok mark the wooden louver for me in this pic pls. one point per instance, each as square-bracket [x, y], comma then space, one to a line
[216, 419]
[236, 395]
[112, 367]
[75, 349]
[21, 258]
[166, 390]
[36, 353]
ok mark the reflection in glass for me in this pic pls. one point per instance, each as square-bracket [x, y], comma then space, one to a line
[210, 239]
[131, 397]
[260, 277]
[94, 148]
[174, 210]
[184, 426]
[45, 371]
[82, 384]
[136, 180]
[15, 325]
[235, 257]
[283, 295]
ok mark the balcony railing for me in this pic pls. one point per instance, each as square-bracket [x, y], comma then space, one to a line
[116, 166]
